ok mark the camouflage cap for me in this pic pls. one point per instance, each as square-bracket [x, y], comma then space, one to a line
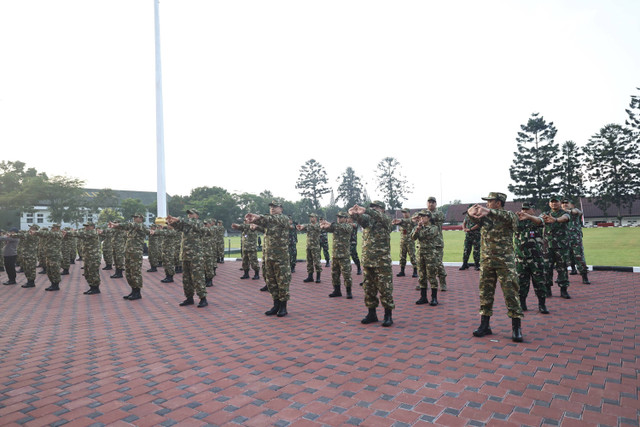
[89, 224]
[405, 210]
[193, 211]
[312, 215]
[378, 203]
[424, 212]
[342, 214]
[554, 199]
[566, 200]
[34, 226]
[56, 225]
[527, 205]
[67, 228]
[496, 196]
[431, 199]
[137, 215]
[276, 203]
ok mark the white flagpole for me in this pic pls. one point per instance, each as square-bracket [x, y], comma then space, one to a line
[162, 189]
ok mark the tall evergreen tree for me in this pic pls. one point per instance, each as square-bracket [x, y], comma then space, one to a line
[391, 183]
[633, 122]
[350, 188]
[312, 182]
[612, 168]
[571, 159]
[535, 171]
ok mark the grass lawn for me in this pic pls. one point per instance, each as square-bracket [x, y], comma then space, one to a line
[602, 246]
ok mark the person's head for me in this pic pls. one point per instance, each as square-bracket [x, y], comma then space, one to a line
[342, 217]
[554, 204]
[526, 208]
[431, 203]
[313, 218]
[89, 226]
[567, 204]
[275, 207]
[495, 200]
[138, 218]
[377, 205]
[193, 213]
[406, 213]
[55, 227]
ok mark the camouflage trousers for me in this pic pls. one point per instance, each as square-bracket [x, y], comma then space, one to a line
[28, 264]
[313, 259]
[428, 269]
[209, 265]
[250, 259]
[107, 255]
[558, 259]
[91, 271]
[277, 275]
[293, 255]
[65, 262]
[407, 246]
[193, 278]
[341, 266]
[354, 255]
[442, 274]
[378, 280]
[53, 268]
[154, 257]
[133, 269]
[576, 255]
[169, 262]
[490, 272]
[325, 250]
[471, 242]
[118, 258]
[531, 270]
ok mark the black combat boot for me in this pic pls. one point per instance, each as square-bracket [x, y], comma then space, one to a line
[9, 282]
[93, 290]
[245, 275]
[128, 296]
[65, 272]
[107, 267]
[135, 295]
[208, 283]
[168, 279]
[328, 264]
[464, 266]
[29, 284]
[523, 303]
[542, 308]
[336, 292]
[415, 272]
[564, 293]
[423, 297]
[53, 287]
[585, 279]
[117, 274]
[309, 278]
[548, 288]
[283, 309]
[434, 297]
[359, 272]
[43, 271]
[317, 277]
[87, 291]
[256, 276]
[72, 260]
[388, 320]
[516, 336]
[265, 288]
[274, 310]
[293, 268]
[152, 270]
[401, 274]
[477, 267]
[203, 302]
[371, 317]
[349, 295]
[574, 272]
[188, 301]
[484, 328]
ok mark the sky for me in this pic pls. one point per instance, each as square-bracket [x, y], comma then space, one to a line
[254, 89]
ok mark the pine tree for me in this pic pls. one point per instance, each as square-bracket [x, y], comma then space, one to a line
[391, 183]
[350, 188]
[312, 182]
[571, 159]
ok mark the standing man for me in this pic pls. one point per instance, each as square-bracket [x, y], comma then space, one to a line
[10, 254]
[67, 246]
[210, 250]
[497, 262]
[154, 249]
[107, 247]
[556, 232]
[530, 261]
[136, 233]
[313, 247]
[221, 241]
[471, 241]
[91, 244]
[119, 241]
[293, 244]
[407, 246]
[276, 255]
[426, 233]
[324, 245]
[29, 255]
[249, 242]
[341, 264]
[576, 249]
[353, 245]
[438, 218]
[52, 246]
[376, 259]
[171, 246]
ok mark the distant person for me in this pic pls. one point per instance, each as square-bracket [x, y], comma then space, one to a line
[530, 262]
[407, 245]
[249, 242]
[136, 233]
[427, 235]
[91, 255]
[471, 241]
[556, 233]
[341, 263]
[576, 248]
[438, 218]
[10, 254]
[313, 247]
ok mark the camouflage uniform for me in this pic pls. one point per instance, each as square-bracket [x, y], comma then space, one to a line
[52, 247]
[438, 219]
[557, 236]
[220, 241]
[324, 245]
[530, 261]
[170, 248]
[407, 245]
[576, 249]
[2, 243]
[293, 246]
[249, 248]
[136, 234]
[353, 247]
[91, 258]
[428, 238]
[192, 256]
[155, 250]
[119, 241]
[471, 241]
[107, 246]
[277, 265]
[67, 247]
[29, 254]
[313, 247]
[341, 262]
[42, 256]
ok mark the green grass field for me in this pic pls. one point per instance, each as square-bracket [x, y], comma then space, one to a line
[602, 246]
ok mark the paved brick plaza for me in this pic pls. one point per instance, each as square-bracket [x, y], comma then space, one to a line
[68, 358]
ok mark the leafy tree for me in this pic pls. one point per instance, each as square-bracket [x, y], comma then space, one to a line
[350, 189]
[129, 207]
[633, 122]
[109, 214]
[391, 183]
[214, 202]
[571, 159]
[248, 202]
[63, 195]
[105, 198]
[534, 170]
[312, 182]
[612, 168]
[177, 205]
[20, 188]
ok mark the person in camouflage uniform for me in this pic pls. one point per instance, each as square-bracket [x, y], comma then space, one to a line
[313, 247]
[119, 241]
[530, 261]
[324, 246]
[427, 235]
[67, 246]
[376, 259]
[556, 232]
[576, 249]
[73, 250]
[249, 243]
[471, 241]
[209, 251]
[136, 234]
[220, 241]
[52, 244]
[407, 245]
[276, 255]
[91, 244]
[353, 246]
[193, 280]
[438, 218]
[107, 247]
[171, 245]
[155, 249]
[497, 262]
[29, 254]
[293, 244]
[42, 256]
[259, 229]
[341, 263]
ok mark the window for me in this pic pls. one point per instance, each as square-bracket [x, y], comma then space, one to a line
[29, 217]
[39, 218]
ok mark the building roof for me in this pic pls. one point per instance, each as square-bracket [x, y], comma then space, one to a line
[591, 210]
[146, 197]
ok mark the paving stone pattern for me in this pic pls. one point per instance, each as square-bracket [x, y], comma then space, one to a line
[72, 359]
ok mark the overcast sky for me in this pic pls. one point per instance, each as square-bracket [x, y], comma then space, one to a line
[254, 89]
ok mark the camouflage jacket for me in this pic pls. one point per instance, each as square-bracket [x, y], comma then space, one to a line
[52, 243]
[276, 237]
[293, 235]
[470, 222]
[557, 233]
[341, 239]
[313, 234]
[438, 219]
[406, 228]
[171, 239]
[135, 236]
[575, 225]
[427, 237]
[354, 235]
[209, 240]
[91, 244]
[107, 239]
[376, 238]
[496, 242]
[529, 240]
[249, 238]
[119, 238]
[192, 232]
[28, 243]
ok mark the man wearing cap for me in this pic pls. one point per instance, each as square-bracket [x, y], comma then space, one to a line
[171, 245]
[90, 239]
[107, 247]
[277, 272]
[497, 262]
[438, 218]
[52, 247]
[210, 251]
[576, 249]
[556, 232]
[293, 244]
[376, 259]
[67, 247]
[154, 249]
[427, 234]
[353, 246]
[530, 262]
[407, 245]
[136, 233]
[10, 254]
[313, 247]
[28, 249]
[192, 257]
[119, 242]
[341, 264]
[220, 241]
[249, 243]
[324, 245]
[471, 241]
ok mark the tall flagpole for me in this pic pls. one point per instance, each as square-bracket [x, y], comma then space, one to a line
[162, 188]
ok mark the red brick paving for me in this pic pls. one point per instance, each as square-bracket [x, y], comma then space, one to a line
[69, 358]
